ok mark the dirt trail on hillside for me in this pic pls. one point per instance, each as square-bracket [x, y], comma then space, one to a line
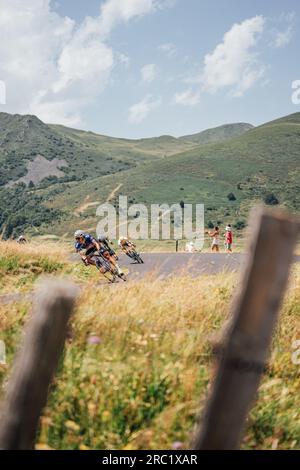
[113, 193]
[88, 203]
[85, 205]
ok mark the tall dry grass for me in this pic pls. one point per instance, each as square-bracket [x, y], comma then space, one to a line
[22, 265]
[138, 367]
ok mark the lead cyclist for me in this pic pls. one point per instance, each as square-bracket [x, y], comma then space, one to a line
[87, 247]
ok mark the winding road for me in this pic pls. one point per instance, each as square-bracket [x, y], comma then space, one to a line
[166, 264]
[196, 264]
[162, 265]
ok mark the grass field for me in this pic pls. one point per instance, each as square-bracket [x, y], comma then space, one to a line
[138, 367]
[22, 266]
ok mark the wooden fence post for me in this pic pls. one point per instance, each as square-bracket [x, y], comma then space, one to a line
[248, 338]
[35, 364]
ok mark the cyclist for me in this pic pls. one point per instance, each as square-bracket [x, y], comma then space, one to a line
[126, 245]
[109, 253]
[129, 248]
[105, 242]
[84, 241]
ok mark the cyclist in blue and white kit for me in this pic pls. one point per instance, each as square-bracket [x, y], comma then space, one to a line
[84, 241]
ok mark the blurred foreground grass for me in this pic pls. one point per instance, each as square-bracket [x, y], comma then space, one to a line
[138, 367]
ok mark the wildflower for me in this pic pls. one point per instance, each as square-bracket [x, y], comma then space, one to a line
[177, 445]
[94, 339]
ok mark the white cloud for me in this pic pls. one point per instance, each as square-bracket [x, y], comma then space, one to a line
[114, 12]
[139, 111]
[187, 98]
[53, 66]
[124, 59]
[166, 4]
[84, 62]
[149, 72]
[233, 62]
[169, 49]
[282, 38]
[66, 111]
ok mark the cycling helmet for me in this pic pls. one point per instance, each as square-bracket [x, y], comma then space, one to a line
[79, 233]
[102, 238]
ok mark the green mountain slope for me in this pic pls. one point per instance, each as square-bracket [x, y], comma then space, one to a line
[82, 155]
[228, 176]
[290, 119]
[264, 161]
[217, 134]
[140, 149]
[22, 138]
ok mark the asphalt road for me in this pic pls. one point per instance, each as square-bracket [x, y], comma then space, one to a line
[196, 264]
[162, 265]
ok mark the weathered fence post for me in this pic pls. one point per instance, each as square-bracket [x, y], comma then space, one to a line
[247, 340]
[35, 364]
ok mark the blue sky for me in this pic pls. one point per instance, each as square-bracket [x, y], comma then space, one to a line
[139, 68]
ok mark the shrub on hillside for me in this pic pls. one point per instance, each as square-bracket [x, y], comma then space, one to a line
[21, 209]
[231, 197]
[240, 225]
[270, 199]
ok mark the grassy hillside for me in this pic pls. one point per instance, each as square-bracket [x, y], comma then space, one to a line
[140, 149]
[22, 138]
[29, 150]
[228, 176]
[217, 134]
[86, 154]
[263, 164]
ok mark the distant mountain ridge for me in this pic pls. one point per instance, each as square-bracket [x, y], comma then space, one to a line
[218, 134]
[228, 169]
[228, 177]
[87, 154]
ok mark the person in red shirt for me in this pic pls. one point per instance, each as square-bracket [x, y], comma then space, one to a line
[228, 238]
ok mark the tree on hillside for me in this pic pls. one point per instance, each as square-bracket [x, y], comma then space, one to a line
[271, 200]
[240, 225]
[231, 197]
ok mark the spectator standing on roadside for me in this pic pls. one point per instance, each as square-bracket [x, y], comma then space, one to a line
[228, 238]
[215, 235]
[21, 240]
